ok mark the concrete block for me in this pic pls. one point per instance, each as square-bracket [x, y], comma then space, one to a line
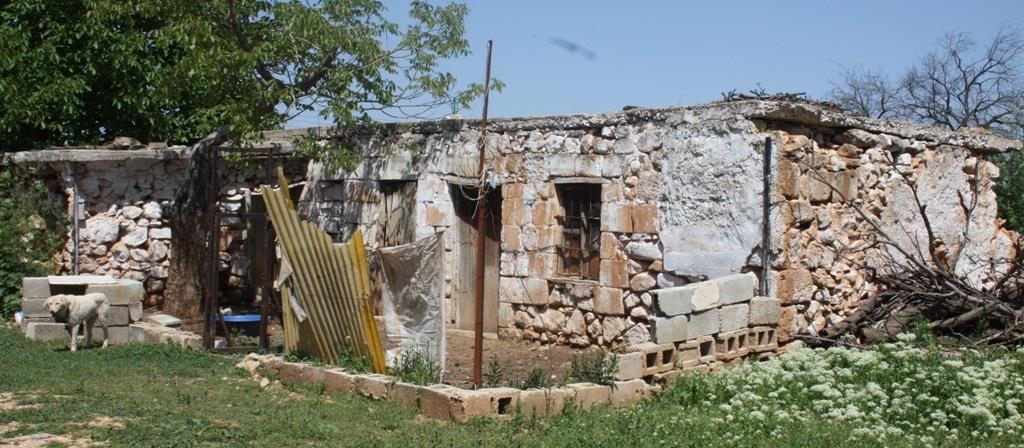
[405, 394]
[117, 315]
[43, 331]
[657, 358]
[666, 330]
[271, 365]
[465, 404]
[116, 335]
[731, 345]
[123, 292]
[435, 401]
[765, 311]
[290, 372]
[763, 339]
[687, 354]
[588, 395]
[312, 375]
[372, 385]
[704, 295]
[736, 288]
[557, 397]
[666, 378]
[706, 350]
[164, 320]
[702, 324]
[674, 301]
[338, 382]
[34, 308]
[35, 288]
[534, 402]
[504, 400]
[631, 366]
[609, 301]
[733, 317]
[137, 332]
[626, 393]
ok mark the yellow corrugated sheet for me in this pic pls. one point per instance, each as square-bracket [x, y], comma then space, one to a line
[332, 285]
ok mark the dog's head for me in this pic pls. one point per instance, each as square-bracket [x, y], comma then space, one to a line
[58, 306]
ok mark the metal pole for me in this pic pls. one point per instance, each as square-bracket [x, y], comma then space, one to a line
[76, 211]
[211, 309]
[481, 211]
[766, 242]
[265, 290]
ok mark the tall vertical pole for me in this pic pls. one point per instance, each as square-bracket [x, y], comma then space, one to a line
[481, 212]
[766, 229]
[77, 210]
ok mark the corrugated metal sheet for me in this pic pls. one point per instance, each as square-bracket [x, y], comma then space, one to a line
[332, 285]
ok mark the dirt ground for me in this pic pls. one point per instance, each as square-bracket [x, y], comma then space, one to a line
[516, 358]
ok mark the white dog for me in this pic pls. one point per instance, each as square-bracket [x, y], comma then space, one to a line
[74, 311]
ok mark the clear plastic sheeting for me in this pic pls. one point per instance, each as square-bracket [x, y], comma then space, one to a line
[412, 295]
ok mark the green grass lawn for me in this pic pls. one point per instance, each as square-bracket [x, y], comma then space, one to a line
[164, 396]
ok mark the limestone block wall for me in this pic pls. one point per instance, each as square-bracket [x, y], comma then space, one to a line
[680, 202]
[124, 225]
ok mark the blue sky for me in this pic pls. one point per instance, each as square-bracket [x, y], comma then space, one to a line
[668, 53]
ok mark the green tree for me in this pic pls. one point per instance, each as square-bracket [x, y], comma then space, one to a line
[85, 71]
[30, 232]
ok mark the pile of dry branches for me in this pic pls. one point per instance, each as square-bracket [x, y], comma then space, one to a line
[920, 278]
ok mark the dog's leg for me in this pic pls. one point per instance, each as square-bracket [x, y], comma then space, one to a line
[74, 337]
[103, 323]
[88, 331]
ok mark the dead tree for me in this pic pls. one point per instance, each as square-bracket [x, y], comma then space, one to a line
[192, 227]
[921, 278]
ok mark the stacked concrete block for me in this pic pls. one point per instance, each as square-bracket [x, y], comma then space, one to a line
[657, 358]
[124, 297]
[719, 316]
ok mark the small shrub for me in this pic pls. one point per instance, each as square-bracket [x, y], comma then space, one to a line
[537, 379]
[416, 367]
[595, 367]
[351, 361]
[494, 374]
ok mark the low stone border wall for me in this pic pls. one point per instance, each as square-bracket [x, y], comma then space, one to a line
[150, 332]
[445, 402]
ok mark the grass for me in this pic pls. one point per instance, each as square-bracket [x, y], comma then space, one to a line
[169, 397]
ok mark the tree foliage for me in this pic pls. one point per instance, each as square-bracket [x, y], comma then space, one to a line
[85, 71]
[31, 225]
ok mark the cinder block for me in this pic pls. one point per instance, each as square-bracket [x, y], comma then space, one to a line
[702, 324]
[44, 331]
[405, 394]
[588, 395]
[118, 315]
[557, 397]
[34, 308]
[665, 378]
[35, 288]
[666, 330]
[372, 385]
[703, 295]
[631, 366]
[763, 339]
[687, 354]
[736, 288]
[765, 311]
[137, 332]
[674, 301]
[732, 345]
[733, 317]
[504, 400]
[123, 292]
[117, 335]
[626, 393]
[444, 402]
[312, 375]
[657, 358]
[338, 382]
[534, 402]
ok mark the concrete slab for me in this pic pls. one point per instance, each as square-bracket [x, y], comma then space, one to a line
[163, 320]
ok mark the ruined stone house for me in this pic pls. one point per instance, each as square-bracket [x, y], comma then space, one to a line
[589, 213]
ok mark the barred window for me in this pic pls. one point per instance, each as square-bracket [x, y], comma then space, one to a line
[580, 218]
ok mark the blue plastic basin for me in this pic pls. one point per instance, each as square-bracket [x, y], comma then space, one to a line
[249, 324]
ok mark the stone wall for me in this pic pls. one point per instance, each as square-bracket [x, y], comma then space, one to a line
[680, 200]
[124, 229]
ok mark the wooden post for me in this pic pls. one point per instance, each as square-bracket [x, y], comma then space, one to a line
[481, 239]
